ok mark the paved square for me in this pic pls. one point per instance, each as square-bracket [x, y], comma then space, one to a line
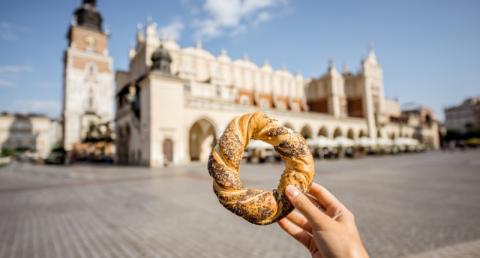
[405, 205]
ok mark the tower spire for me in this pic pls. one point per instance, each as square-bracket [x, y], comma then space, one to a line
[371, 52]
[331, 65]
[139, 35]
[87, 16]
[345, 68]
[91, 2]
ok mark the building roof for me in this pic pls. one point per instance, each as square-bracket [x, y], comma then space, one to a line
[87, 16]
[22, 115]
[473, 101]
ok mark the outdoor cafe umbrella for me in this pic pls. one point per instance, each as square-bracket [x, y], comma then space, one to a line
[321, 142]
[364, 142]
[257, 144]
[384, 142]
[344, 142]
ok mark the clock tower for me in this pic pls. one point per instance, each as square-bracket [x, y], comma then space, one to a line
[88, 81]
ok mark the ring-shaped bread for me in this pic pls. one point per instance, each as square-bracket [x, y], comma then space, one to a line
[256, 205]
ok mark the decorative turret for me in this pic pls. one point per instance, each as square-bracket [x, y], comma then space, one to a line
[151, 30]
[132, 51]
[331, 67]
[161, 60]
[346, 69]
[88, 16]
[139, 36]
[371, 59]
[371, 53]
[266, 67]
[223, 57]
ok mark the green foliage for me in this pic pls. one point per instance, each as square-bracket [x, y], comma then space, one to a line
[475, 133]
[7, 152]
[454, 135]
[58, 149]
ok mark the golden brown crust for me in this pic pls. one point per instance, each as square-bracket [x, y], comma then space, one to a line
[255, 205]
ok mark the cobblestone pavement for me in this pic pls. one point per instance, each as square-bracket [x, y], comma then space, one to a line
[426, 204]
[465, 250]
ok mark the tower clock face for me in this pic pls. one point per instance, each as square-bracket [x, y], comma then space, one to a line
[91, 42]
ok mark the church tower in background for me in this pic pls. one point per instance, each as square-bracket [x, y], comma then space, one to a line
[88, 85]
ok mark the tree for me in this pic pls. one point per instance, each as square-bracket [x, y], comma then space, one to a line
[7, 152]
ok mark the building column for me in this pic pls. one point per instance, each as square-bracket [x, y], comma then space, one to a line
[368, 110]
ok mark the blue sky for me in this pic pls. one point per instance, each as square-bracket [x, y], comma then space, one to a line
[429, 49]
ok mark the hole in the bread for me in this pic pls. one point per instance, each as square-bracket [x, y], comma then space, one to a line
[261, 167]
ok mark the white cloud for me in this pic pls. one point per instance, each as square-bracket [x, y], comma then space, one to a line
[51, 107]
[262, 17]
[207, 28]
[191, 5]
[237, 30]
[232, 16]
[5, 83]
[9, 73]
[172, 30]
[9, 31]
[9, 70]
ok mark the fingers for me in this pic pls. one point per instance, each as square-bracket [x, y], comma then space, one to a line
[324, 197]
[300, 221]
[317, 218]
[315, 202]
[333, 207]
[296, 232]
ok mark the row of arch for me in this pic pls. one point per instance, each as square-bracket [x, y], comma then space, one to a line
[308, 133]
[203, 135]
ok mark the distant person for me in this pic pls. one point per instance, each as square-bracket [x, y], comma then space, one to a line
[323, 224]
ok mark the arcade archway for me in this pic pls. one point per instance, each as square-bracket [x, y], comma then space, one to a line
[289, 125]
[202, 138]
[307, 132]
[362, 134]
[323, 131]
[337, 133]
[351, 134]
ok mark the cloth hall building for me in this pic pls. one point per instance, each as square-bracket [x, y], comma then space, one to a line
[174, 102]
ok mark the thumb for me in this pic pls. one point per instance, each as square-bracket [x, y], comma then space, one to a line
[300, 201]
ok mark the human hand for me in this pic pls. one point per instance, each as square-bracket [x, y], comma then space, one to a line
[322, 224]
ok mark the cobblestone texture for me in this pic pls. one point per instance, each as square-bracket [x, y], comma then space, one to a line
[404, 205]
[465, 250]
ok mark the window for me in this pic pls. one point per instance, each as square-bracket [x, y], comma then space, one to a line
[264, 103]
[244, 100]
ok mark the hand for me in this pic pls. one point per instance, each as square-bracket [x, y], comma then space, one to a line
[322, 224]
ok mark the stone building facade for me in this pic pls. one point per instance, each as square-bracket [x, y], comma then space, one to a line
[26, 132]
[88, 90]
[426, 128]
[173, 102]
[465, 116]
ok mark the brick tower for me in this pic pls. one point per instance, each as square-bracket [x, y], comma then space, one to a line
[88, 80]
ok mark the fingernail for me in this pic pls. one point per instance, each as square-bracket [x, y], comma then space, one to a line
[292, 191]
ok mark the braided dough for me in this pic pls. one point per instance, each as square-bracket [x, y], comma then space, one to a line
[256, 205]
